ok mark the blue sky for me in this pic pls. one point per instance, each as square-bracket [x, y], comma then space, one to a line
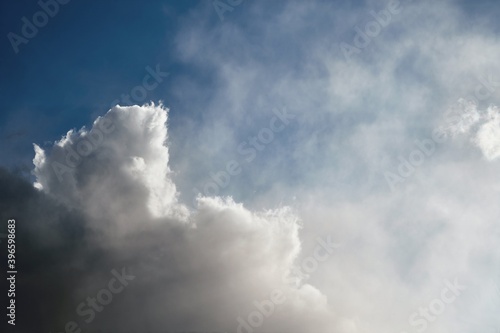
[82, 55]
[359, 155]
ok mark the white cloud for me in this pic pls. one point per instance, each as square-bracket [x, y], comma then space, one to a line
[483, 126]
[197, 270]
[488, 135]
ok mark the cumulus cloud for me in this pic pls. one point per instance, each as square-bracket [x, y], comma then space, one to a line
[200, 269]
[115, 158]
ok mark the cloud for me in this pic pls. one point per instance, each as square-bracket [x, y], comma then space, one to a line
[354, 119]
[194, 270]
[488, 135]
[483, 126]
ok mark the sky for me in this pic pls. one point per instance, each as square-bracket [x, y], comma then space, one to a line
[251, 166]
